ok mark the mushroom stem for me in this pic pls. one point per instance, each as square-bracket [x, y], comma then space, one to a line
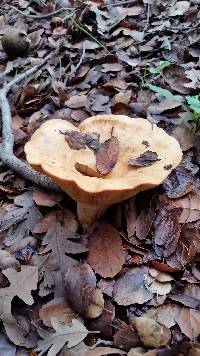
[88, 213]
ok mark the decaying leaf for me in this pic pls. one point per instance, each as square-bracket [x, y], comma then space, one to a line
[130, 288]
[165, 314]
[188, 296]
[126, 338]
[84, 350]
[57, 308]
[78, 140]
[107, 155]
[188, 320]
[20, 220]
[144, 160]
[105, 251]
[151, 332]
[8, 261]
[71, 334]
[21, 285]
[80, 283]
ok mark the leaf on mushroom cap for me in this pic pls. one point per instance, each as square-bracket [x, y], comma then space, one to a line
[144, 160]
[85, 185]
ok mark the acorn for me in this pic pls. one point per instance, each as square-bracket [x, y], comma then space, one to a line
[15, 43]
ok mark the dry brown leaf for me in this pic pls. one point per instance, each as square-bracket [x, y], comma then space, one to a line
[49, 199]
[84, 350]
[188, 320]
[144, 160]
[160, 276]
[8, 261]
[126, 338]
[105, 251]
[163, 315]
[157, 287]
[107, 155]
[58, 308]
[130, 288]
[151, 333]
[80, 282]
[188, 296]
[140, 351]
[184, 136]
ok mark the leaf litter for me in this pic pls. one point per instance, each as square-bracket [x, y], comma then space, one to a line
[135, 278]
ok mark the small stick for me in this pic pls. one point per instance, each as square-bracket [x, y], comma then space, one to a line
[45, 16]
[6, 147]
[121, 3]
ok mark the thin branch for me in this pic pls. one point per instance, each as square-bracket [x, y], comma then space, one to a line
[45, 16]
[6, 147]
[81, 59]
[120, 3]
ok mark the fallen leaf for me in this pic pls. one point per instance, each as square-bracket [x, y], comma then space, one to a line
[157, 287]
[188, 320]
[151, 332]
[53, 342]
[84, 350]
[179, 8]
[59, 242]
[130, 288]
[175, 76]
[21, 285]
[57, 308]
[21, 220]
[126, 338]
[179, 183]
[49, 199]
[105, 251]
[144, 160]
[8, 261]
[7, 348]
[106, 286]
[184, 136]
[116, 83]
[107, 155]
[167, 230]
[164, 314]
[47, 222]
[80, 283]
[104, 322]
[188, 296]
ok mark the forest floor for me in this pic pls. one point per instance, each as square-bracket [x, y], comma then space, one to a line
[131, 285]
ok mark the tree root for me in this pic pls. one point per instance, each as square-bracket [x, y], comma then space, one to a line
[6, 146]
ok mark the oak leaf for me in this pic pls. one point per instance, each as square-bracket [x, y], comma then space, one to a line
[71, 334]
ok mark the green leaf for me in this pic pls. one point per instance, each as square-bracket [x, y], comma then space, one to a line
[164, 92]
[194, 103]
[164, 64]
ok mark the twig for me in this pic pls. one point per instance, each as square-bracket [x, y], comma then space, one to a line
[148, 17]
[121, 3]
[45, 16]
[81, 59]
[6, 147]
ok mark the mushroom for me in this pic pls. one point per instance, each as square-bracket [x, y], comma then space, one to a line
[74, 169]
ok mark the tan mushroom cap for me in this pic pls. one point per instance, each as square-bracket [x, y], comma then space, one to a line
[49, 152]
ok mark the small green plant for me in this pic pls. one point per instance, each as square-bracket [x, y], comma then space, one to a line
[191, 104]
[160, 67]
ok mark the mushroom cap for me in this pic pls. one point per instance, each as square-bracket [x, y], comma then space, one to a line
[75, 170]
